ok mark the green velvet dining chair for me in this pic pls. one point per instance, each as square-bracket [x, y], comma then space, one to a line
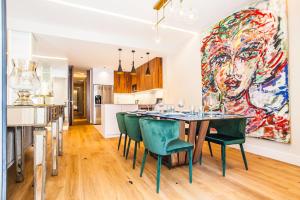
[161, 137]
[229, 132]
[134, 133]
[122, 128]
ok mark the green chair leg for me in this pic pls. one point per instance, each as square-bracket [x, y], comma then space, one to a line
[158, 173]
[119, 141]
[125, 143]
[244, 156]
[143, 162]
[190, 165]
[210, 150]
[223, 152]
[128, 147]
[134, 154]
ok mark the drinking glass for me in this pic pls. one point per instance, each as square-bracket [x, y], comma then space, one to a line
[181, 104]
[192, 109]
[211, 102]
[161, 107]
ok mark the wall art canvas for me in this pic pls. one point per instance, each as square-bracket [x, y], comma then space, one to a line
[244, 59]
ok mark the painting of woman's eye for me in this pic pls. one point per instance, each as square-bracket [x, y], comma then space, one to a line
[220, 59]
[250, 51]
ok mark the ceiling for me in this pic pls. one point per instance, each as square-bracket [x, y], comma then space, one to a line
[69, 27]
[84, 54]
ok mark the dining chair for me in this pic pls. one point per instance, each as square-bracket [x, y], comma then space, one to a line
[161, 137]
[134, 133]
[121, 124]
[229, 132]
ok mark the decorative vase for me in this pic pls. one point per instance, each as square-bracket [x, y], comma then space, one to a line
[24, 80]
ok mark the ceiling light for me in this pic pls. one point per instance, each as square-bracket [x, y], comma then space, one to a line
[120, 70]
[148, 66]
[104, 12]
[49, 57]
[133, 71]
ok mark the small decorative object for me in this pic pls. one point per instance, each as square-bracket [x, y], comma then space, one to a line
[24, 80]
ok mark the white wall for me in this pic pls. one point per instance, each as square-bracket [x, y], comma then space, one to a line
[103, 76]
[182, 74]
[183, 80]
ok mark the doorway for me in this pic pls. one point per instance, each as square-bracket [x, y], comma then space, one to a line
[80, 100]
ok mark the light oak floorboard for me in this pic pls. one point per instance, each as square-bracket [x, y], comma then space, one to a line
[92, 168]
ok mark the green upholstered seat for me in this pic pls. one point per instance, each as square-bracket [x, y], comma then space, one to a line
[162, 138]
[224, 139]
[177, 145]
[229, 131]
[134, 133]
[122, 128]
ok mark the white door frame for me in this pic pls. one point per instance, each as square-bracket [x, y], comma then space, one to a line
[3, 91]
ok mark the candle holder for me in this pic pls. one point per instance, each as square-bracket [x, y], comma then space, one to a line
[23, 80]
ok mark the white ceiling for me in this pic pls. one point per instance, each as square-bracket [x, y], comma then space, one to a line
[124, 23]
[84, 54]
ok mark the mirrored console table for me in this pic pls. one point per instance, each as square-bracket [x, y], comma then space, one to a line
[38, 117]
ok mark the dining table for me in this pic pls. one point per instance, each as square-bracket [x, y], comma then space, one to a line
[181, 158]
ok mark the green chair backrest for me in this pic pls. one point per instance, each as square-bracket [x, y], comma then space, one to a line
[121, 122]
[230, 127]
[133, 127]
[158, 133]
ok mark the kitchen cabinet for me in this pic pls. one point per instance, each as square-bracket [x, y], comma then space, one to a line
[123, 82]
[152, 81]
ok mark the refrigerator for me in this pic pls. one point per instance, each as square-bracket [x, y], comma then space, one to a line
[103, 94]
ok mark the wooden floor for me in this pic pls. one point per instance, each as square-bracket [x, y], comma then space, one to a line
[92, 168]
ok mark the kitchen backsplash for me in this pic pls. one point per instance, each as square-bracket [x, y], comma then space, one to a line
[145, 97]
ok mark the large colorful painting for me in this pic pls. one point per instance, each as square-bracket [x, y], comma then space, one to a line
[244, 59]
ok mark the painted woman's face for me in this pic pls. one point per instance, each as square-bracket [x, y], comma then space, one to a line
[236, 61]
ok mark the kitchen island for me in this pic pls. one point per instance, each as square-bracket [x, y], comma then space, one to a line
[109, 126]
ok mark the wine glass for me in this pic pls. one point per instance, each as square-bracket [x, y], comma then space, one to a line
[192, 109]
[211, 102]
[161, 106]
[181, 104]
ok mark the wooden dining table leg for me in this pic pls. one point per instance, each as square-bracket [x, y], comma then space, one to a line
[200, 140]
[191, 135]
[181, 155]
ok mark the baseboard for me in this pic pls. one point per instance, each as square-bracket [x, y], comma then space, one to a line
[271, 153]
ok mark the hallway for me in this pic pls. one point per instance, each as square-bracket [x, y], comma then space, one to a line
[92, 168]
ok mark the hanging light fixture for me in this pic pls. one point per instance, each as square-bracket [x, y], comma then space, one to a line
[148, 66]
[120, 70]
[133, 71]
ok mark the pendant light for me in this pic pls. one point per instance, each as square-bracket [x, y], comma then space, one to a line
[133, 71]
[148, 66]
[120, 70]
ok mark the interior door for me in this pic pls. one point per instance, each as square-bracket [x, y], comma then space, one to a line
[70, 95]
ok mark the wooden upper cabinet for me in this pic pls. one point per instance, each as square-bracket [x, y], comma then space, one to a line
[123, 82]
[154, 80]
